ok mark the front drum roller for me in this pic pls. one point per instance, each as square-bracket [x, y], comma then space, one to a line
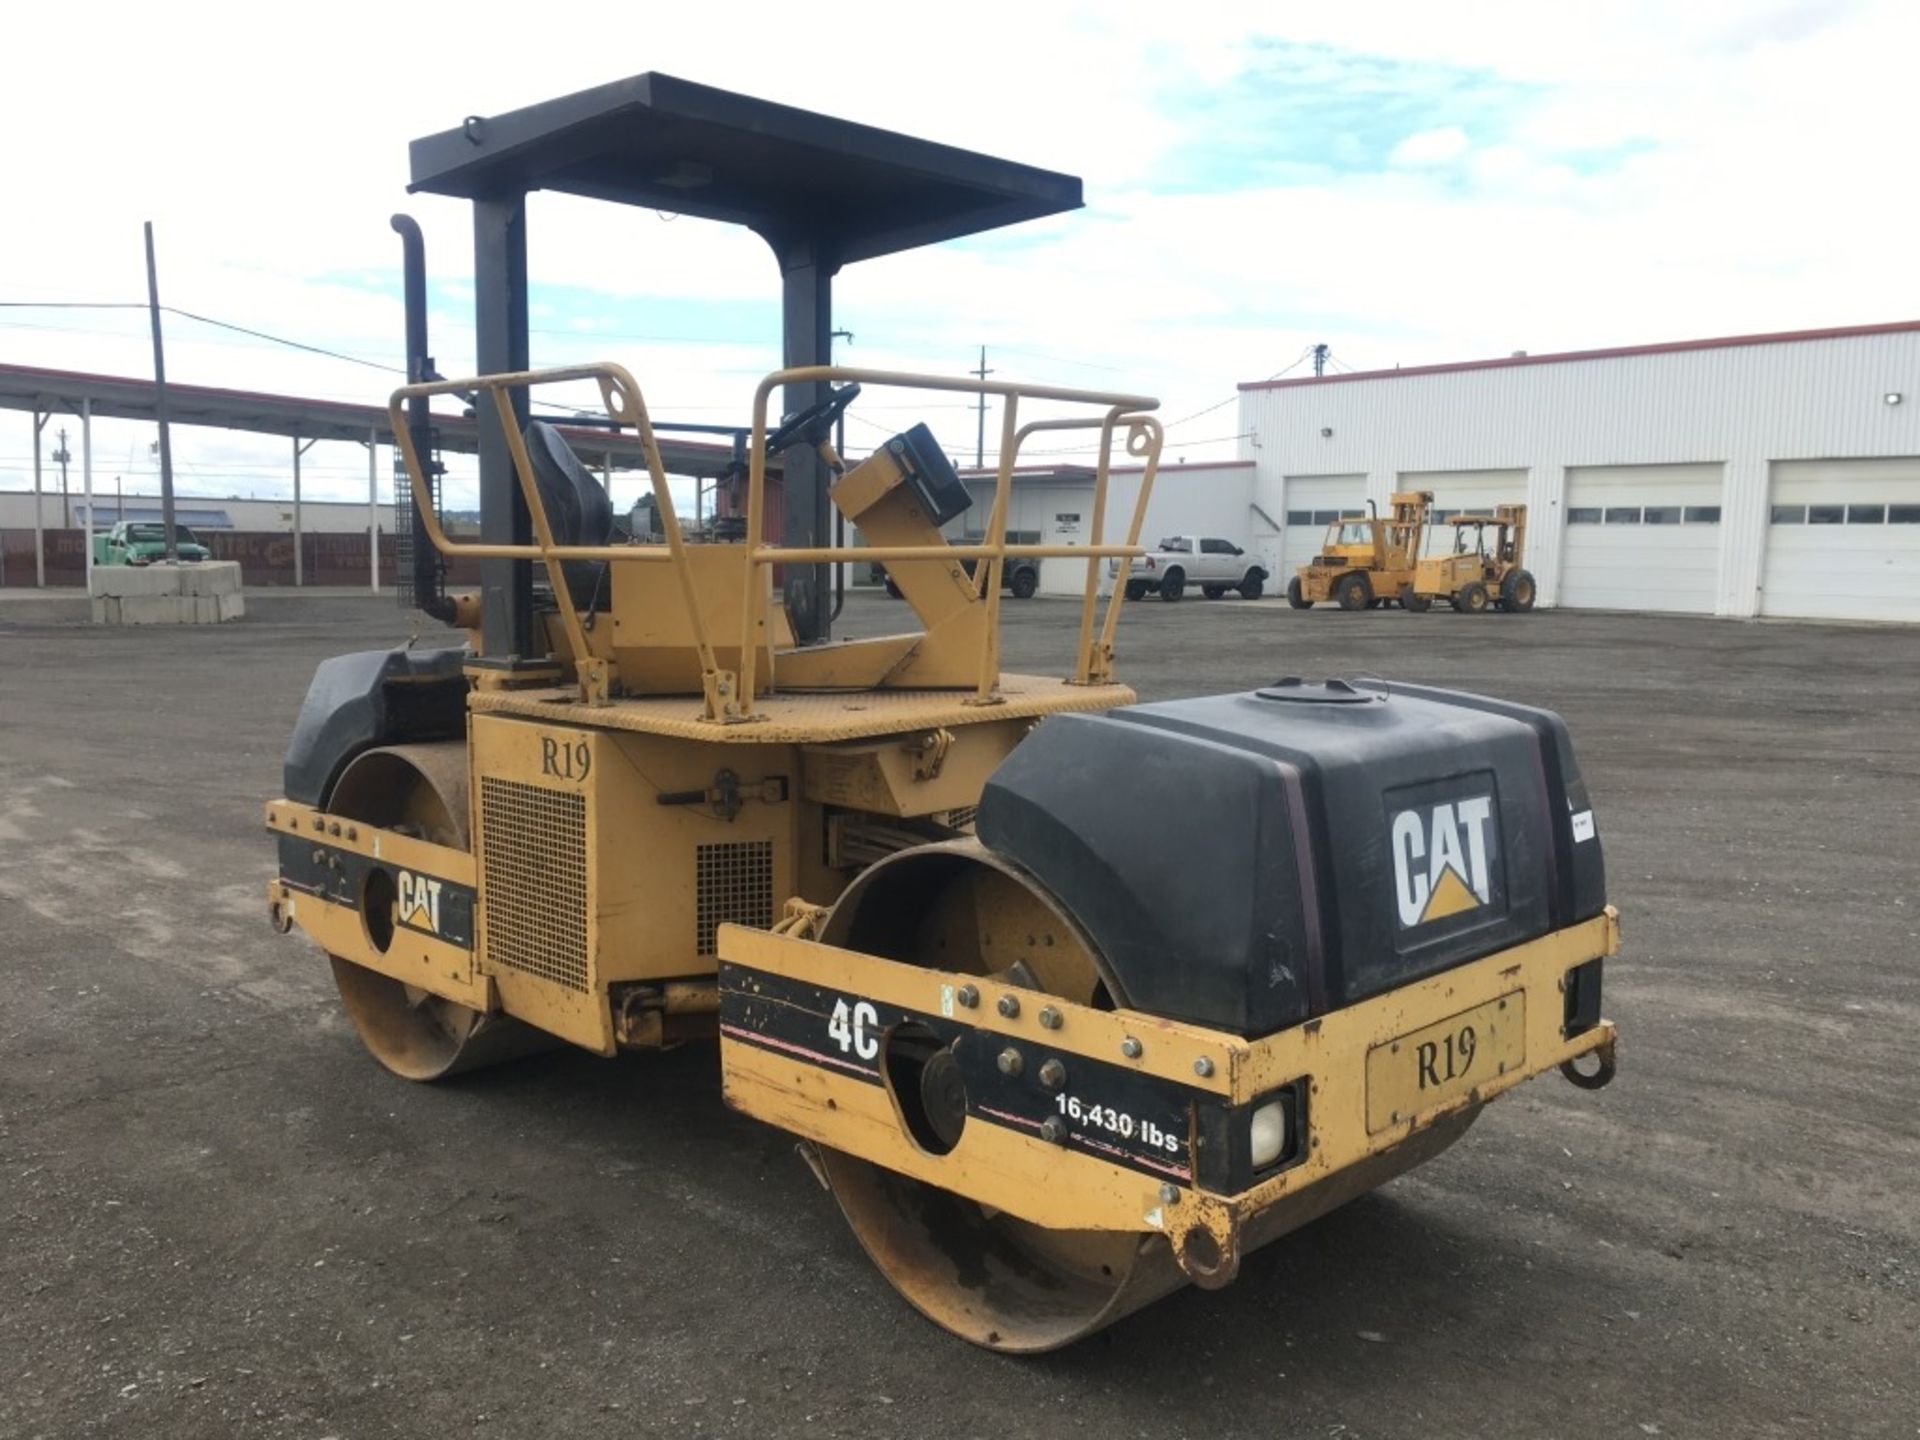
[421, 791]
[1000, 1282]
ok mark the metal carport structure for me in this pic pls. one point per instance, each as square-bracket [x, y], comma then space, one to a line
[46, 392]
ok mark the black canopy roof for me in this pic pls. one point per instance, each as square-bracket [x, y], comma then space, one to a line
[789, 174]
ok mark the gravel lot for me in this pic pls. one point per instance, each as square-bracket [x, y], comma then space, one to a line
[217, 1217]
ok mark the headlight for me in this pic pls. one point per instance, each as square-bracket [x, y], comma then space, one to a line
[1269, 1133]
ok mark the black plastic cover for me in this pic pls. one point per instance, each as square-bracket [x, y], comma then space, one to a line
[930, 474]
[368, 698]
[1251, 861]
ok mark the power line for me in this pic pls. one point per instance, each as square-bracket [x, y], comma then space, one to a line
[201, 319]
[283, 340]
[70, 305]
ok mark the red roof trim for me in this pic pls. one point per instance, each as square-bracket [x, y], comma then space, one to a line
[1783, 337]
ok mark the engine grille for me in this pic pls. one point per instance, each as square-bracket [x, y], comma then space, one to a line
[733, 883]
[534, 863]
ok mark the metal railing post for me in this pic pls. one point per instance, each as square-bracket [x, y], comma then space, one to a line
[373, 511]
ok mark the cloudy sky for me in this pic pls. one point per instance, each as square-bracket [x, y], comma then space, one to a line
[1407, 181]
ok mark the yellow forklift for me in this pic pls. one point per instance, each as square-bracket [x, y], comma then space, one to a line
[1366, 562]
[1483, 570]
[1049, 1066]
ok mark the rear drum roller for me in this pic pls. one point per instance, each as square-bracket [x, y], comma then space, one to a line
[983, 1274]
[421, 791]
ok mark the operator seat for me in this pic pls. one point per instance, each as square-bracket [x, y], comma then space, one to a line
[578, 510]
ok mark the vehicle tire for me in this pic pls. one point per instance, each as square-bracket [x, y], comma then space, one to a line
[1136, 589]
[893, 591]
[1295, 598]
[1518, 591]
[1411, 599]
[1252, 586]
[1472, 598]
[1173, 585]
[1024, 583]
[1354, 592]
[1213, 592]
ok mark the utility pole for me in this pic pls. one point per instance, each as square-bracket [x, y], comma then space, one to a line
[60, 458]
[1320, 353]
[980, 431]
[160, 406]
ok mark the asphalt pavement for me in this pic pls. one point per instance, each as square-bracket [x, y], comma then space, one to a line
[219, 1218]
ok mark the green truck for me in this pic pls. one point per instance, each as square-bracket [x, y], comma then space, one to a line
[141, 542]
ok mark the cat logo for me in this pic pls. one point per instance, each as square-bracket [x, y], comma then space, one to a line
[1443, 859]
[419, 902]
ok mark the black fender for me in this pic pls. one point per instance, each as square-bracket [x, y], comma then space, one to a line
[369, 698]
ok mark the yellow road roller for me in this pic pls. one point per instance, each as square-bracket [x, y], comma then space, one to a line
[1050, 1065]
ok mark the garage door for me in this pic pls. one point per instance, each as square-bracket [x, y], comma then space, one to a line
[1467, 492]
[1642, 537]
[1843, 540]
[1314, 502]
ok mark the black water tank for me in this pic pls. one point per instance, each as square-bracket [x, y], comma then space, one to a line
[1249, 861]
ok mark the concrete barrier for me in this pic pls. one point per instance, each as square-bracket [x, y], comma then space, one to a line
[199, 594]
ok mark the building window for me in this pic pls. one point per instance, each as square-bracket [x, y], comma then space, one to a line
[1623, 515]
[1584, 515]
[1440, 517]
[1789, 515]
[1703, 514]
[1353, 514]
[1826, 514]
[1662, 514]
[1866, 514]
[1325, 517]
[1903, 514]
[1299, 517]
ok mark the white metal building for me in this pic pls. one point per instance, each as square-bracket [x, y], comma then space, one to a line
[1755, 475]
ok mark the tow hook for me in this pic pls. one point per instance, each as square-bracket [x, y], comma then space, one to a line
[1209, 1253]
[1592, 1079]
[280, 914]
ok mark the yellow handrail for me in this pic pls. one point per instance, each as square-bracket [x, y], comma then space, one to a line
[1144, 438]
[730, 697]
[621, 395]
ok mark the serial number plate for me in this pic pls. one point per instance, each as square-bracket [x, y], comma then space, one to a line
[1428, 1067]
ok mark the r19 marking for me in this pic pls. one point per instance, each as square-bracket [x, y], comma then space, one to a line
[565, 759]
[1442, 1060]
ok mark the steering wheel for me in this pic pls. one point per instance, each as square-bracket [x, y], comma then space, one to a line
[814, 423]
